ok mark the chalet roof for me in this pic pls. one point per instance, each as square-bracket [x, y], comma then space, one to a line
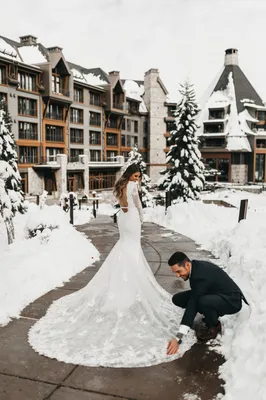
[243, 88]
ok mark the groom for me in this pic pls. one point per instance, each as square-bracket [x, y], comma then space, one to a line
[213, 294]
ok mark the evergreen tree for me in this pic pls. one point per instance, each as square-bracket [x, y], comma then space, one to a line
[184, 175]
[136, 157]
[9, 155]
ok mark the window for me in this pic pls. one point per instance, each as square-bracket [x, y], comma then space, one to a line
[214, 142]
[111, 139]
[261, 143]
[58, 85]
[213, 128]
[95, 138]
[145, 126]
[124, 154]
[95, 155]
[55, 111]
[24, 182]
[95, 99]
[3, 97]
[145, 142]
[128, 141]
[171, 111]
[170, 126]
[27, 155]
[51, 153]
[78, 94]
[74, 154]
[27, 106]
[54, 133]
[27, 130]
[123, 124]
[76, 135]
[134, 141]
[136, 126]
[123, 140]
[261, 115]
[3, 80]
[27, 81]
[95, 119]
[76, 115]
[111, 155]
[260, 168]
[112, 122]
[216, 114]
[128, 125]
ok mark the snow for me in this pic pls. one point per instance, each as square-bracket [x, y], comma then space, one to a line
[32, 55]
[90, 79]
[135, 91]
[7, 51]
[31, 267]
[240, 248]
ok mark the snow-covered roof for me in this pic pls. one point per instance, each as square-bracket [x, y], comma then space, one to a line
[7, 51]
[32, 55]
[135, 91]
[256, 106]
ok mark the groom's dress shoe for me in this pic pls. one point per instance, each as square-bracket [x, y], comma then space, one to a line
[209, 333]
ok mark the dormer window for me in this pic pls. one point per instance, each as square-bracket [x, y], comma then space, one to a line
[261, 115]
[213, 127]
[216, 113]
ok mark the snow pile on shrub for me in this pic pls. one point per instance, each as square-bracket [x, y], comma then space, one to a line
[32, 267]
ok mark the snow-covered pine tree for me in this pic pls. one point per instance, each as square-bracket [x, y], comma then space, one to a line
[184, 175]
[8, 154]
[136, 157]
[11, 197]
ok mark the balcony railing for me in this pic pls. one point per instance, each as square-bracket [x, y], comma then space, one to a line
[28, 159]
[30, 88]
[74, 158]
[74, 139]
[112, 143]
[76, 120]
[29, 135]
[61, 92]
[54, 137]
[96, 142]
[32, 112]
[118, 106]
[48, 159]
[54, 115]
[3, 80]
[95, 122]
[78, 98]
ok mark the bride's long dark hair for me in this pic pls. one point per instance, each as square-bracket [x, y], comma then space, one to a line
[123, 180]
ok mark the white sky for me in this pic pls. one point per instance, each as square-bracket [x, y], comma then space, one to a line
[182, 38]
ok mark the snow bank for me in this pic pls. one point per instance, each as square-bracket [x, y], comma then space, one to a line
[241, 248]
[32, 267]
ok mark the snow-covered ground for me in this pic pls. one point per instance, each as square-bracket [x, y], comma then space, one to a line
[240, 247]
[30, 267]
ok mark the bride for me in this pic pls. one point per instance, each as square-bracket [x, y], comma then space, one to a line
[123, 317]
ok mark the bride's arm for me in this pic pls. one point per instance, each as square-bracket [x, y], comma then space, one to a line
[137, 202]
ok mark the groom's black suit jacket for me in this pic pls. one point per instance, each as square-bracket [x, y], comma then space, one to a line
[208, 278]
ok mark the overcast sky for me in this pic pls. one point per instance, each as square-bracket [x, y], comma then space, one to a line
[182, 38]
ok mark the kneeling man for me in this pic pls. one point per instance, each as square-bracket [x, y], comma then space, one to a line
[213, 294]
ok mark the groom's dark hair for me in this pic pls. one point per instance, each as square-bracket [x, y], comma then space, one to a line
[178, 258]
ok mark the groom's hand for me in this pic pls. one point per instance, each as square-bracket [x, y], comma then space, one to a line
[172, 347]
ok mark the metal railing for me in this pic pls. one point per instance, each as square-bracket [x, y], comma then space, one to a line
[28, 160]
[96, 122]
[29, 135]
[118, 106]
[54, 115]
[76, 120]
[61, 91]
[32, 112]
[54, 137]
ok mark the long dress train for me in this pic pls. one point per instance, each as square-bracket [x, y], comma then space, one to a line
[122, 318]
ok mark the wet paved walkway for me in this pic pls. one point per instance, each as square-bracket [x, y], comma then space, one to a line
[25, 375]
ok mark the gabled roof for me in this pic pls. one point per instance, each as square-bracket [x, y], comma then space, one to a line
[243, 88]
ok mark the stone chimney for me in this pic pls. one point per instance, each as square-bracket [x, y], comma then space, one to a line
[152, 71]
[114, 73]
[231, 57]
[54, 49]
[28, 40]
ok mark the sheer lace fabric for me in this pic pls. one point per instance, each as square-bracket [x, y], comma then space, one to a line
[122, 318]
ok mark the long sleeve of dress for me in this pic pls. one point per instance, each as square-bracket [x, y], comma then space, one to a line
[137, 202]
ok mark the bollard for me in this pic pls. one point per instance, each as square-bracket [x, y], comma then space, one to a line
[97, 204]
[93, 208]
[80, 200]
[167, 199]
[71, 211]
[243, 210]
[38, 199]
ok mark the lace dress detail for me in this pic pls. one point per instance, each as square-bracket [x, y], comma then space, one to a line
[122, 318]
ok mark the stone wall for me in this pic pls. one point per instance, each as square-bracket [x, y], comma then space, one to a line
[61, 174]
[239, 173]
[155, 97]
[35, 182]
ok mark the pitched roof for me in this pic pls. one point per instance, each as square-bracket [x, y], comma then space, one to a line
[243, 88]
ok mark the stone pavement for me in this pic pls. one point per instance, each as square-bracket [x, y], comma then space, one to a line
[25, 375]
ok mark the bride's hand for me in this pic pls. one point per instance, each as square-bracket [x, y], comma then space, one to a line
[172, 347]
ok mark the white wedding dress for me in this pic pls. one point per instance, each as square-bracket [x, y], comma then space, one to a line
[122, 318]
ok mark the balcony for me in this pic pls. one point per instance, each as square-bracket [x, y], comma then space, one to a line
[28, 135]
[116, 162]
[54, 137]
[54, 115]
[32, 112]
[28, 159]
[95, 122]
[118, 106]
[61, 92]
[76, 120]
